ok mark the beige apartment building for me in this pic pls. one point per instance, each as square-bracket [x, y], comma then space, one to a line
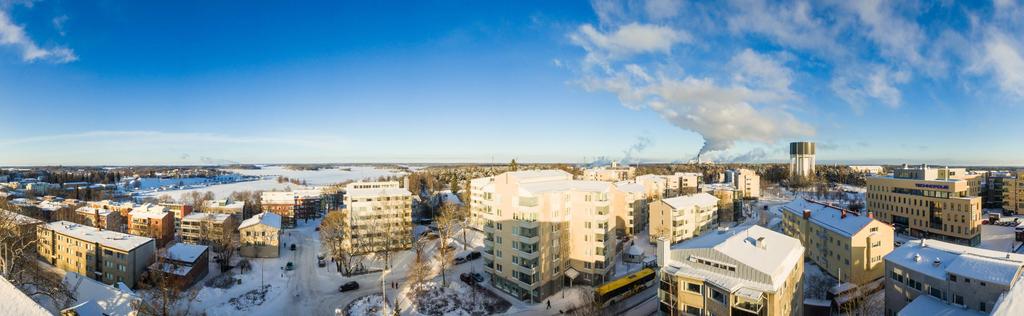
[260, 236]
[846, 245]
[655, 186]
[747, 182]
[611, 173]
[633, 216]
[681, 183]
[1013, 193]
[104, 255]
[100, 216]
[920, 202]
[540, 223]
[931, 275]
[683, 217]
[378, 216]
[747, 271]
[293, 206]
[179, 211]
[207, 228]
[729, 203]
[226, 206]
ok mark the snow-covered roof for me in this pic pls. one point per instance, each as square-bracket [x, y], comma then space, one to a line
[106, 238]
[377, 192]
[690, 200]
[214, 217]
[224, 204]
[775, 257]
[18, 219]
[265, 218]
[15, 302]
[149, 211]
[975, 263]
[92, 210]
[928, 305]
[87, 308]
[287, 197]
[829, 217]
[539, 175]
[185, 252]
[634, 250]
[112, 300]
[1011, 302]
[627, 186]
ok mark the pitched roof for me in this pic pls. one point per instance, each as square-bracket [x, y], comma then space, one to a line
[829, 217]
[776, 256]
[15, 302]
[185, 252]
[112, 300]
[265, 218]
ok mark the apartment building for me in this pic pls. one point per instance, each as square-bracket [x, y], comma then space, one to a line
[868, 169]
[933, 273]
[847, 245]
[24, 226]
[153, 221]
[540, 223]
[120, 207]
[292, 206]
[104, 255]
[184, 263]
[632, 217]
[655, 186]
[609, 173]
[747, 271]
[226, 206]
[207, 228]
[923, 202]
[98, 215]
[730, 206]
[178, 211]
[260, 236]
[379, 216]
[683, 217]
[1013, 193]
[747, 182]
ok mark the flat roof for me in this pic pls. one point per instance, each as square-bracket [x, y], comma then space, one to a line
[928, 305]
[106, 238]
[829, 217]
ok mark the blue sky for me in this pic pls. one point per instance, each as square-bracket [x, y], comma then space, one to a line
[190, 82]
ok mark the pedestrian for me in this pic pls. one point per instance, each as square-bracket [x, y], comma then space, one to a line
[549, 304]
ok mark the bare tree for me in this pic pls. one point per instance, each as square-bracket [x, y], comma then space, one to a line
[446, 221]
[162, 292]
[18, 264]
[336, 242]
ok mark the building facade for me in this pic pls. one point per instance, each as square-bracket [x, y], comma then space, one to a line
[611, 173]
[378, 215]
[226, 206]
[969, 278]
[178, 211]
[540, 223]
[153, 221]
[104, 255]
[1013, 193]
[101, 217]
[208, 228]
[683, 217]
[750, 271]
[260, 236]
[919, 202]
[293, 206]
[846, 245]
[185, 263]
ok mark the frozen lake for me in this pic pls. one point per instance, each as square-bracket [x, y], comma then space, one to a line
[312, 177]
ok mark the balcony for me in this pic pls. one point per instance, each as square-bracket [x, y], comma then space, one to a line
[528, 223]
[528, 253]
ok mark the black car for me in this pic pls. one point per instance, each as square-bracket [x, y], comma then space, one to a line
[473, 255]
[349, 286]
[460, 260]
[321, 262]
[471, 278]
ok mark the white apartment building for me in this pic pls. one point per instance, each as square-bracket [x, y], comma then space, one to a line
[379, 216]
[609, 173]
[751, 270]
[928, 274]
[683, 217]
[226, 206]
[747, 182]
[540, 223]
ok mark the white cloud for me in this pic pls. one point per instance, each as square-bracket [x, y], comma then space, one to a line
[895, 36]
[662, 9]
[58, 24]
[1001, 56]
[858, 85]
[788, 24]
[14, 36]
[626, 41]
[761, 71]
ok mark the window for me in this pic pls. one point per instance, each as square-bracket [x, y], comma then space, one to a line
[695, 288]
[958, 299]
[981, 306]
[952, 278]
[718, 296]
[690, 310]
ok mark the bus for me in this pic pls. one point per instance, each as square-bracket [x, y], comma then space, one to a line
[622, 288]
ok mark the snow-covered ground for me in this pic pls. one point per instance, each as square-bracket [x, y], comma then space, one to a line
[322, 176]
[1000, 238]
[224, 190]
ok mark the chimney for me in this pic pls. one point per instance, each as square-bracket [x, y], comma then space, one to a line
[807, 214]
[663, 251]
[937, 262]
[761, 243]
[844, 214]
[871, 215]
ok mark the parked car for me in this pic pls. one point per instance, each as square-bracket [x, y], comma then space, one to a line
[473, 255]
[320, 256]
[290, 266]
[460, 260]
[293, 247]
[471, 278]
[321, 262]
[349, 286]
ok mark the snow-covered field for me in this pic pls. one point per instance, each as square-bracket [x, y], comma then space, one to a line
[322, 176]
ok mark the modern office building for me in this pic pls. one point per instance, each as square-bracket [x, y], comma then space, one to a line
[746, 271]
[540, 223]
[801, 160]
[153, 221]
[104, 255]
[378, 216]
[611, 173]
[924, 202]
[292, 206]
[260, 236]
[941, 274]
[208, 228]
[683, 217]
[847, 245]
